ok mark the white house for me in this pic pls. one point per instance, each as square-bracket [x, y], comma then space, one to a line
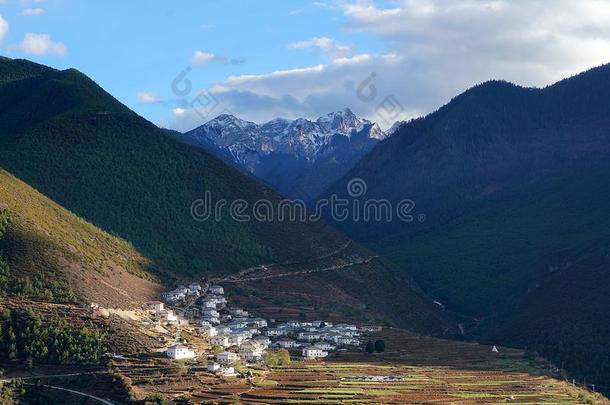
[332, 336]
[258, 322]
[213, 367]
[324, 346]
[309, 336]
[216, 289]
[276, 332]
[346, 326]
[220, 340]
[210, 313]
[224, 329]
[347, 340]
[293, 324]
[210, 330]
[155, 306]
[166, 315]
[235, 339]
[314, 353]
[226, 371]
[238, 324]
[208, 304]
[251, 351]
[239, 312]
[263, 341]
[288, 343]
[226, 358]
[178, 351]
[194, 287]
[211, 319]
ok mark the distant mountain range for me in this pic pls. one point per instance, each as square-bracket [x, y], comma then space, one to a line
[515, 186]
[300, 158]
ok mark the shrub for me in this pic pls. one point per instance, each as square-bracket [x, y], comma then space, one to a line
[279, 357]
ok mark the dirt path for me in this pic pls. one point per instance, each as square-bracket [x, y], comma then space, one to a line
[237, 279]
[84, 394]
[242, 275]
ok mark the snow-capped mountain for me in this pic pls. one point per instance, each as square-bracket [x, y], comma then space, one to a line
[300, 157]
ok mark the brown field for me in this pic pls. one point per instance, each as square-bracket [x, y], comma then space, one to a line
[425, 370]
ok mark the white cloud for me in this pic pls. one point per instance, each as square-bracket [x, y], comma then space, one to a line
[178, 112]
[147, 97]
[41, 44]
[3, 28]
[32, 12]
[200, 58]
[527, 41]
[329, 46]
[434, 49]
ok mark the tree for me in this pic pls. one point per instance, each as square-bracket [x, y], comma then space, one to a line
[370, 346]
[279, 357]
[155, 398]
[379, 346]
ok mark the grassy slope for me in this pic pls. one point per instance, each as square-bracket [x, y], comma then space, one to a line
[65, 258]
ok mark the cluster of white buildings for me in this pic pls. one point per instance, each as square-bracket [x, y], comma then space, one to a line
[245, 338]
[315, 338]
[181, 293]
[232, 329]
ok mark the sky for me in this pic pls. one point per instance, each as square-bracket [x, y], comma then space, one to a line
[180, 64]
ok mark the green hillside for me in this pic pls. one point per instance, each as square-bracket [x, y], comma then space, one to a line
[92, 155]
[481, 261]
[564, 314]
[506, 177]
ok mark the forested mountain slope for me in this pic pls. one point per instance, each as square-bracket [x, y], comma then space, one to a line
[507, 177]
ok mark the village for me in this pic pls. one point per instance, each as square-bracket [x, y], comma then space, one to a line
[235, 336]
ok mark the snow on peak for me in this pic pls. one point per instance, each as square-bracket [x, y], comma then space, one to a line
[300, 137]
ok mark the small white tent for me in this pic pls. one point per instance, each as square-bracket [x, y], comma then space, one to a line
[494, 349]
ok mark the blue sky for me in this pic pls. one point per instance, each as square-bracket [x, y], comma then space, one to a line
[261, 59]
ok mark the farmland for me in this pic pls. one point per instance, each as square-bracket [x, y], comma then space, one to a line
[413, 369]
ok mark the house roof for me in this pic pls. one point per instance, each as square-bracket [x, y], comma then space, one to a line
[178, 346]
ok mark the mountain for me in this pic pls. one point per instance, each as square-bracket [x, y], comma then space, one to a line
[505, 177]
[299, 157]
[565, 311]
[94, 157]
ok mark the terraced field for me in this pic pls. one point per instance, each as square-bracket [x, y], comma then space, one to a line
[413, 370]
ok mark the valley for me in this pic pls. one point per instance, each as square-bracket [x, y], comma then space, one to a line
[113, 292]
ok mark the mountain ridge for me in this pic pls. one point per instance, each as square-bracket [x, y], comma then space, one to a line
[299, 157]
